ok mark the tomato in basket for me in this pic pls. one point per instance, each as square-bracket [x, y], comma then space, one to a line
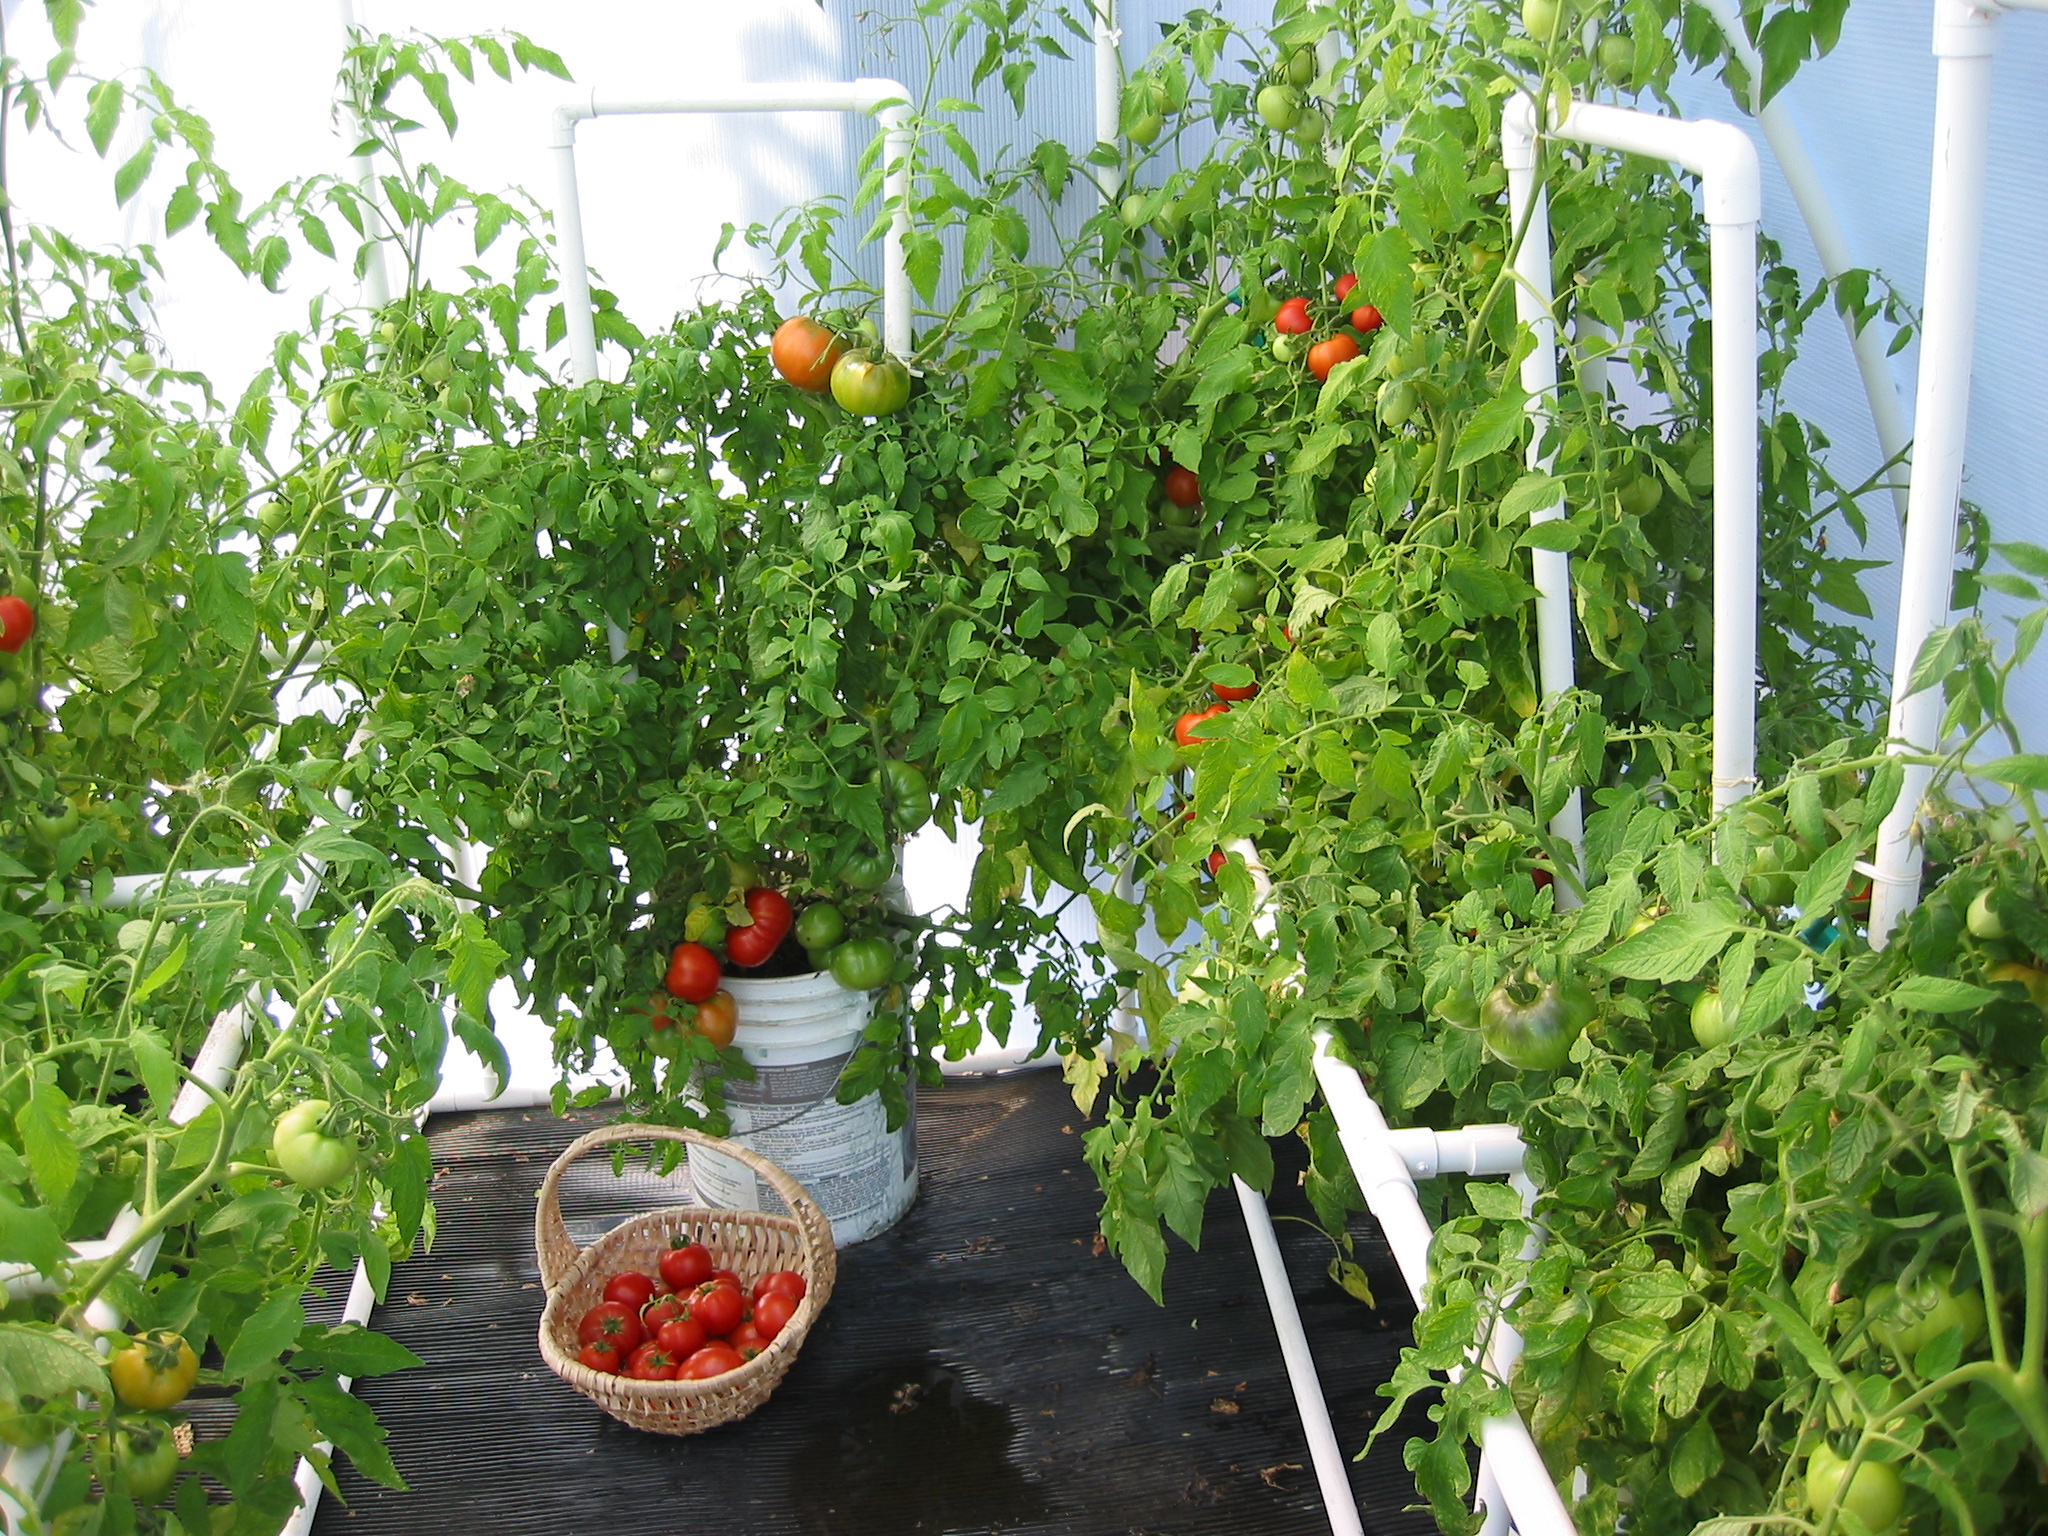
[787, 1281]
[613, 1323]
[650, 1362]
[718, 1307]
[747, 1340]
[632, 1289]
[726, 1277]
[685, 1266]
[600, 1357]
[661, 1311]
[711, 1360]
[682, 1337]
[773, 1312]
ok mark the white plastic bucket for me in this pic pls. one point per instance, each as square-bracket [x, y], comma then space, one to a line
[798, 1033]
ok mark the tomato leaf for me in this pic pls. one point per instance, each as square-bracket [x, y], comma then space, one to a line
[267, 1334]
[1675, 947]
[1939, 994]
[42, 1360]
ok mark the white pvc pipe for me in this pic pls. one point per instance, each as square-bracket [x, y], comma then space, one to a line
[1965, 40]
[1529, 206]
[1725, 161]
[886, 100]
[1109, 81]
[376, 280]
[1323, 1450]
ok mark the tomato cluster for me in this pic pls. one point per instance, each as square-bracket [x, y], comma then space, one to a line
[867, 381]
[690, 1321]
[1334, 344]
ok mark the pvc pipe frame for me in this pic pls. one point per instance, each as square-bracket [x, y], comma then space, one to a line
[1725, 161]
[886, 100]
[1514, 1483]
[1965, 41]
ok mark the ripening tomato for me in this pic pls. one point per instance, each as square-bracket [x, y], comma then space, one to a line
[711, 1360]
[1185, 729]
[650, 1362]
[717, 1307]
[685, 1266]
[804, 352]
[682, 1337]
[786, 1281]
[616, 1323]
[1293, 320]
[871, 383]
[17, 623]
[718, 1018]
[693, 972]
[1325, 355]
[154, 1372]
[773, 917]
[1182, 488]
[773, 1312]
[630, 1289]
[600, 1357]
[1345, 284]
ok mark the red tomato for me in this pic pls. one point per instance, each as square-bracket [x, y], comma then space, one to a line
[717, 1307]
[650, 1362]
[664, 1309]
[693, 972]
[1182, 488]
[1216, 861]
[772, 919]
[1327, 354]
[787, 1281]
[1293, 320]
[773, 1312]
[1234, 695]
[1366, 318]
[804, 351]
[600, 1357]
[711, 1360]
[748, 1340]
[686, 1266]
[611, 1322]
[718, 1017]
[724, 1277]
[17, 623]
[1538, 875]
[1345, 284]
[682, 1337]
[633, 1290]
[1184, 729]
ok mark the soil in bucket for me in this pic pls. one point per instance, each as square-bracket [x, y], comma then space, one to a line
[799, 1032]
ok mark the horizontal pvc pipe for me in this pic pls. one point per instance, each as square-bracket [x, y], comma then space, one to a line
[1323, 1451]
[1965, 41]
[1476, 1150]
[886, 99]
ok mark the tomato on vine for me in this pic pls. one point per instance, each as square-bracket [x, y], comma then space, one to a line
[1186, 731]
[156, 1371]
[1325, 355]
[1532, 1024]
[1183, 489]
[772, 919]
[805, 353]
[861, 965]
[867, 869]
[871, 384]
[718, 1018]
[310, 1157]
[819, 926]
[146, 1453]
[693, 972]
[1292, 319]
[1873, 1495]
[17, 623]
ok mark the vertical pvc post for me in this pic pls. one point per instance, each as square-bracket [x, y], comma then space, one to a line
[376, 280]
[1529, 213]
[1965, 41]
[1109, 81]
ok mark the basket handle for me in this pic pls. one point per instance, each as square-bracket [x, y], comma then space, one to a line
[557, 1250]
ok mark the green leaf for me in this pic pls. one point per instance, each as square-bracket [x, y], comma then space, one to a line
[29, 1235]
[166, 969]
[267, 1334]
[42, 1360]
[44, 1122]
[1825, 879]
[1676, 947]
[1385, 278]
[354, 1351]
[352, 1425]
[1494, 1202]
[2026, 770]
[1555, 533]
[134, 171]
[1801, 1337]
[1493, 426]
[1696, 1457]
[155, 1066]
[1531, 494]
[1939, 994]
[104, 102]
[1772, 995]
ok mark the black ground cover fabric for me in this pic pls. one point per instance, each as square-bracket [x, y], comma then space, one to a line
[982, 1367]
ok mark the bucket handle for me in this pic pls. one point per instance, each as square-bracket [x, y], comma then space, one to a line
[558, 1251]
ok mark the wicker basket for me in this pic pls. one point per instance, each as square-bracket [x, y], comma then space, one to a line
[747, 1242]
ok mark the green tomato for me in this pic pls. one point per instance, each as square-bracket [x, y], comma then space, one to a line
[1618, 57]
[1301, 66]
[1286, 347]
[56, 821]
[1642, 495]
[1907, 1321]
[906, 795]
[337, 409]
[1874, 1498]
[1709, 1023]
[1531, 1024]
[1132, 211]
[820, 926]
[871, 383]
[519, 816]
[1397, 403]
[146, 1452]
[1540, 18]
[1146, 130]
[1984, 921]
[861, 965]
[868, 870]
[10, 695]
[21, 1425]
[1279, 107]
[662, 474]
[1244, 589]
[309, 1157]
